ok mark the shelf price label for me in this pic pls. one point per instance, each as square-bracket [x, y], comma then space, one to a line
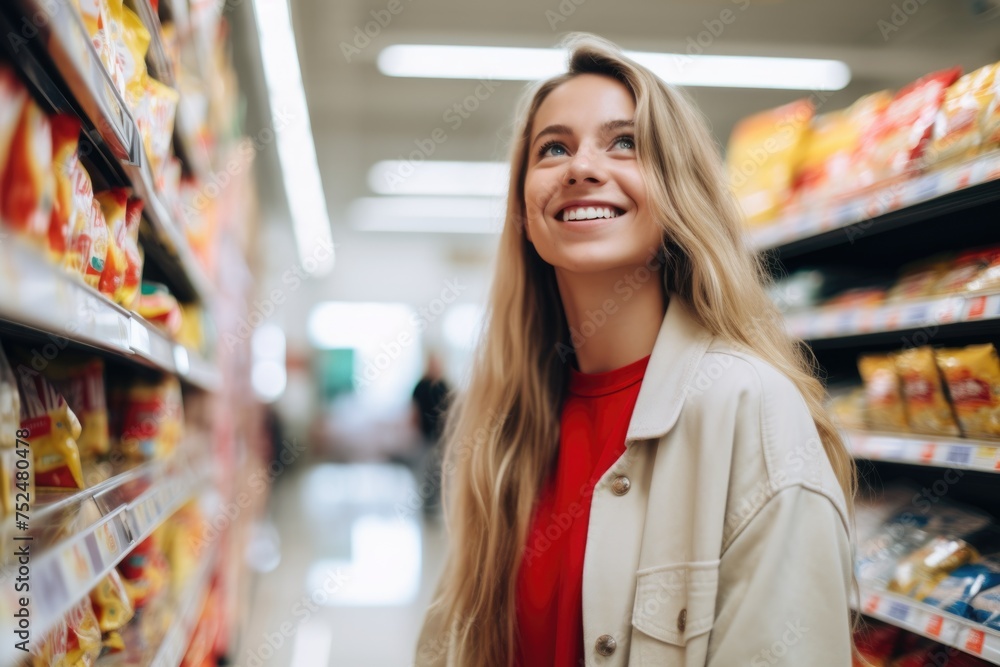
[974, 641]
[959, 454]
[871, 604]
[934, 625]
[899, 611]
[927, 452]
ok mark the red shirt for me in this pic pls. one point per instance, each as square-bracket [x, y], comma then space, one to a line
[594, 424]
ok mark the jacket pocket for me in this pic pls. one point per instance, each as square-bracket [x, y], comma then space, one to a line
[675, 603]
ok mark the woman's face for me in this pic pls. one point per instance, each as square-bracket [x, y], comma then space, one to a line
[585, 199]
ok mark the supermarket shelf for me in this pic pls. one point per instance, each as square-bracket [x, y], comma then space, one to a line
[950, 311]
[178, 637]
[841, 221]
[156, 56]
[948, 629]
[63, 66]
[936, 451]
[116, 515]
[36, 295]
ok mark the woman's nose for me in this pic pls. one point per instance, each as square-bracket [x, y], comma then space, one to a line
[583, 167]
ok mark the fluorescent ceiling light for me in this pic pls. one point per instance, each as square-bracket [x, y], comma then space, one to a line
[402, 177]
[458, 215]
[525, 64]
[290, 123]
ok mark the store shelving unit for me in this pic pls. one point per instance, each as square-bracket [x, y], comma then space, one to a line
[948, 629]
[923, 450]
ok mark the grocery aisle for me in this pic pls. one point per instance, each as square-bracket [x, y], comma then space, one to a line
[352, 544]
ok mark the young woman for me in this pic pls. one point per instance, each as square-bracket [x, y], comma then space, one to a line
[641, 471]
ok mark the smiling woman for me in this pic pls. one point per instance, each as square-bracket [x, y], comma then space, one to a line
[662, 485]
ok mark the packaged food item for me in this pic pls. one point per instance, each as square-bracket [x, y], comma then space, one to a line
[957, 128]
[88, 238]
[52, 431]
[828, 146]
[860, 297]
[990, 120]
[159, 306]
[10, 422]
[81, 383]
[113, 207]
[100, 21]
[133, 45]
[918, 574]
[989, 279]
[927, 409]
[955, 592]
[159, 105]
[132, 281]
[986, 608]
[920, 279]
[111, 604]
[13, 97]
[895, 144]
[850, 409]
[26, 190]
[764, 151]
[973, 378]
[145, 571]
[866, 115]
[74, 642]
[968, 267]
[150, 418]
[886, 409]
[65, 163]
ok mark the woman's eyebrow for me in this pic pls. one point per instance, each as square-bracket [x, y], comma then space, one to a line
[552, 129]
[613, 125]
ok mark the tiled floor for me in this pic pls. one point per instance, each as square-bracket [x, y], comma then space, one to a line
[357, 566]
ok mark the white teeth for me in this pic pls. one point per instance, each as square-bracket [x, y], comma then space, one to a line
[589, 213]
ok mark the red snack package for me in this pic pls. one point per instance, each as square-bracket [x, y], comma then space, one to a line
[65, 163]
[132, 281]
[113, 206]
[12, 99]
[895, 143]
[26, 189]
[52, 431]
[145, 571]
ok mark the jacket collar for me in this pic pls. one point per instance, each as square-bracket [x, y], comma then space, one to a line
[677, 352]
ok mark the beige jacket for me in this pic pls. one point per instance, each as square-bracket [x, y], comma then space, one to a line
[720, 537]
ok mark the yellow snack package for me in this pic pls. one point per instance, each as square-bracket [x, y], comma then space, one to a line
[52, 431]
[81, 383]
[927, 409]
[886, 409]
[111, 603]
[149, 418]
[133, 45]
[74, 642]
[762, 156]
[989, 123]
[958, 132]
[826, 155]
[850, 409]
[919, 573]
[100, 21]
[113, 206]
[973, 378]
[920, 279]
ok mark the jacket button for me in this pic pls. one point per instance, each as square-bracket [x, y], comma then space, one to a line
[621, 485]
[682, 620]
[606, 645]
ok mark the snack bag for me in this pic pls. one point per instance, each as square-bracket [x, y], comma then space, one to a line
[957, 128]
[986, 608]
[65, 163]
[927, 409]
[159, 306]
[990, 121]
[895, 144]
[161, 110]
[967, 268]
[955, 592]
[989, 279]
[973, 378]
[133, 45]
[918, 574]
[13, 97]
[132, 280]
[919, 279]
[113, 207]
[88, 246]
[74, 642]
[52, 431]
[826, 155]
[850, 409]
[886, 409]
[82, 385]
[10, 422]
[865, 115]
[100, 22]
[26, 189]
[111, 604]
[763, 153]
[145, 571]
[150, 418]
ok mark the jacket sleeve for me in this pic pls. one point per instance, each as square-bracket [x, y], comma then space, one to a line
[783, 587]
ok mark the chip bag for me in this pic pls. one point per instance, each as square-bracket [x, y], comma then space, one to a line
[65, 163]
[100, 20]
[128, 294]
[918, 574]
[26, 189]
[88, 238]
[990, 121]
[111, 603]
[886, 409]
[113, 207]
[13, 97]
[159, 306]
[764, 151]
[133, 45]
[74, 642]
[967, 268]
[957, 128]
[927, 409]
[865, 115]
[826, 155]
[955, 592]
[82, 385]
[145, 571]
[159, 105]
[150, 418]
[973, 378]
[52, 431]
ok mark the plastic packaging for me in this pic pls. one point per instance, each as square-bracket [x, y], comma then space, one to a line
[973, 378]
[927, 409]
[882, 392]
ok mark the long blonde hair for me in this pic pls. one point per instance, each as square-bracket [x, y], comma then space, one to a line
[501, 437]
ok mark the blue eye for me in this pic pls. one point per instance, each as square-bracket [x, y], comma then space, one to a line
[625, 142]
[551, 149]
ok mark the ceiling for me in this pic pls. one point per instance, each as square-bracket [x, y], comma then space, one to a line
[360, 116]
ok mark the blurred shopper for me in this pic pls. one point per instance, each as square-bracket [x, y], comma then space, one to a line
[430, 401]
[641, 471]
